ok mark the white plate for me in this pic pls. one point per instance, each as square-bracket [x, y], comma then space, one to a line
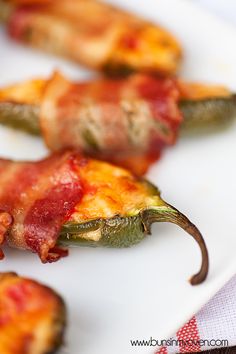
[117, 295]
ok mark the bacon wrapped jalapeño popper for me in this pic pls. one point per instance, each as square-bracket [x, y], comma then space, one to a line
[32, 316]
[126, 121]
[68, 200]
[95, 34]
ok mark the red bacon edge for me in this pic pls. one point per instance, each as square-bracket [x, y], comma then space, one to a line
[35, 200]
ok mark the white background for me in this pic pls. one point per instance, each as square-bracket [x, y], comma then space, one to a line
[116, 295]
[226, 9]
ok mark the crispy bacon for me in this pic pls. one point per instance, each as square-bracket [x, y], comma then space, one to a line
[95, 34]
[38, 198]
[32, 316]
[69, 200]
[110, 118]
[127, 122]
[35, 199]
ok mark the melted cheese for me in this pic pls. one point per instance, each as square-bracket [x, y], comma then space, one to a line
[97, 34]
[28, 313]
[199, 91]
[110, 191]
[29, 92]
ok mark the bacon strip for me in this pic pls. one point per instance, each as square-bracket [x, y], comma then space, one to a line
[95, 34]
[117, 120]
[36, 199]
[32, 316]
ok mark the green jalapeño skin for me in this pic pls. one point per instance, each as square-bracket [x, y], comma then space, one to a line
[207, 115]
[138, 204]
[68, 199]
[128, 122]
[125, 231]
[199, 116]
[203, 107]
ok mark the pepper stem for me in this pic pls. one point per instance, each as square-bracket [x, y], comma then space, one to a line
[168, 213]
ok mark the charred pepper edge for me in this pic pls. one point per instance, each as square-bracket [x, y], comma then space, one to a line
[59, 325]
[141, 224]
[114, 70]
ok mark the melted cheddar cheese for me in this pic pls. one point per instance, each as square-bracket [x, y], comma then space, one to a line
[28, 92]
[30, 314]
[110, 191]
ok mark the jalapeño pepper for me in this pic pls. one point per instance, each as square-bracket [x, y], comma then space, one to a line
[69, 200]
[130, 229]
